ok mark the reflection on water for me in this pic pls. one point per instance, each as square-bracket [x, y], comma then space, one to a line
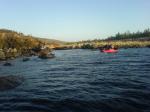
[81, 81]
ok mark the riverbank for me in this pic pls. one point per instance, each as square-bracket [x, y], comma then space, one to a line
[15, 44]
[120, 40]
[10, 53]
[97, 44]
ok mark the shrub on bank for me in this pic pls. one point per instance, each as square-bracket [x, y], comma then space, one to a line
[2, 55]
[87, 46]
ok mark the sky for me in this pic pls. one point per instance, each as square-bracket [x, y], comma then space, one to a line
[74, 20]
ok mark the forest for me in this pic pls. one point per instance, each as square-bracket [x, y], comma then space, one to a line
[145, 35]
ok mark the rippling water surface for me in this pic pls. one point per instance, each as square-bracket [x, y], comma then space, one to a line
[81, 81]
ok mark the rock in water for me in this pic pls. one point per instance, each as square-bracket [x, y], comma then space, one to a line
[25, 59]
[2, 55]
[7, 64]
[47, 56]
[10, 82]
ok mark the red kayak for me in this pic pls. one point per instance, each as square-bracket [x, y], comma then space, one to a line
[109, 50]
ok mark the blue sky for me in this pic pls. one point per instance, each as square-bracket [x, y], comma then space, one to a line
[73, 20]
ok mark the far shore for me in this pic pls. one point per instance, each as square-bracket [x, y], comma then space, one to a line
[14, 44]
[97, 44]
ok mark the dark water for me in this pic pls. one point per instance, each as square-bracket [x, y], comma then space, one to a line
[81, 81]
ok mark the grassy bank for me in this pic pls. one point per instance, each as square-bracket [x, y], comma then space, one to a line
[118, 44]
[123, 44]
[14, 44]
[120, 40]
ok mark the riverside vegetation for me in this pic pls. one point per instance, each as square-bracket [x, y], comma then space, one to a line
[120, 40]
[14, 44]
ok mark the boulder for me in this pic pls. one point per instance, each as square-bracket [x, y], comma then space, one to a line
[2, 55]
[7, 64]
[46, 54]
[11, 53]
[25, 59]
[10, 82]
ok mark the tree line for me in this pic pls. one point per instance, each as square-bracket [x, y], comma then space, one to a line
[145, 35]
[120, 40]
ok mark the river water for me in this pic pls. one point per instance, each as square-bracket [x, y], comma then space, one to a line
[81, 81]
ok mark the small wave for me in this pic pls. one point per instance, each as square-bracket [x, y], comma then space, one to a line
[70, 105]
[95, 63]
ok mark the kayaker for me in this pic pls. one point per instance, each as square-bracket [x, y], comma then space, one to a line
[106, 47]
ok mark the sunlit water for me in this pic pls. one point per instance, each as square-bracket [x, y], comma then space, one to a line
[81, 81]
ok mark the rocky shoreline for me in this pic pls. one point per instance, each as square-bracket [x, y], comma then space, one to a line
[8, 82]
[13, 53]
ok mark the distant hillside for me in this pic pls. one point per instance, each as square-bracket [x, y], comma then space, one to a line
[14, 44]
[51, 41]
[13, 39]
